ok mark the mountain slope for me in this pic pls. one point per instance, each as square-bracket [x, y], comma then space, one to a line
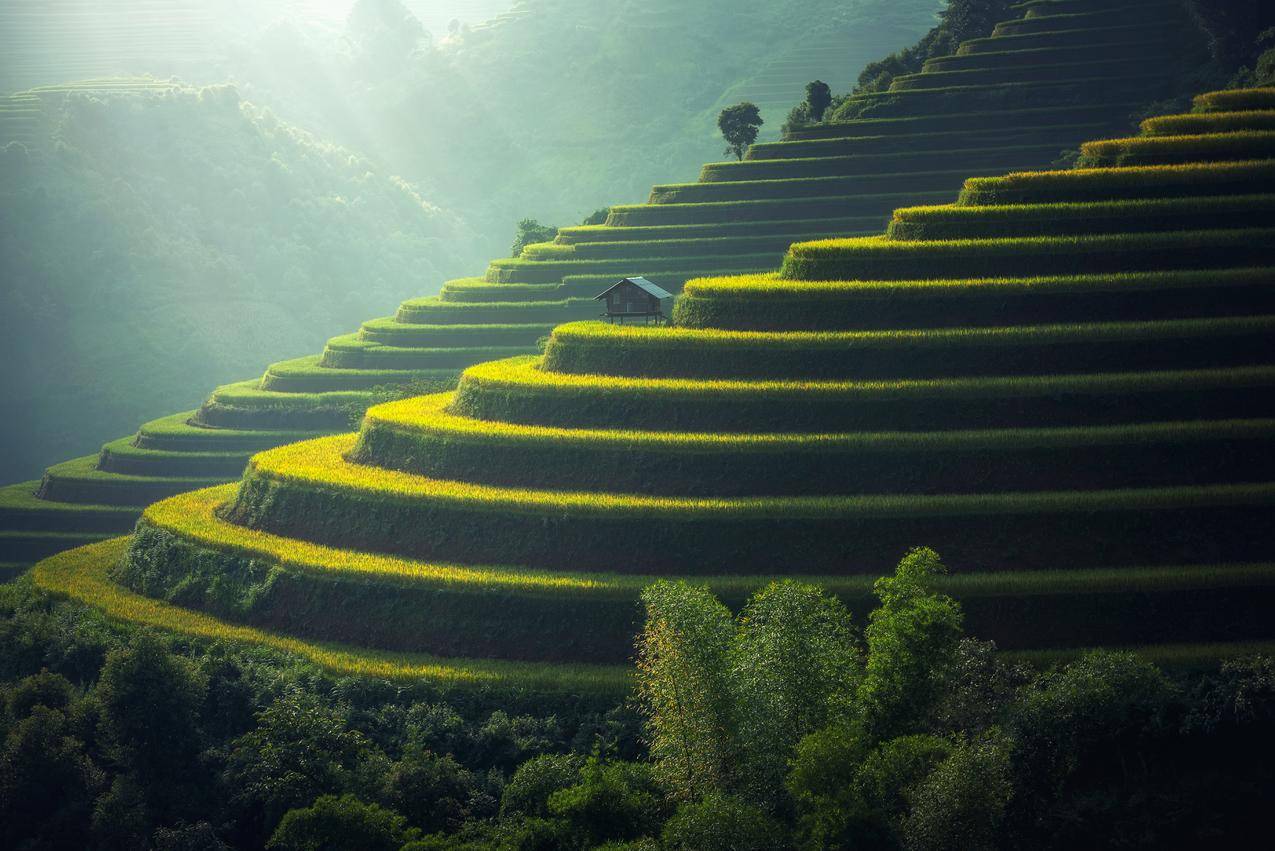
[162, 235]
[1060, 381]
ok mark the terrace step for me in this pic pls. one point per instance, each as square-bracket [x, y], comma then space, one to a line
[592, 348]
[425, 606]
[372, 510]
[879, 258]
[80, 481]
[309, 375]
[22, 511]
[517, 391]
[351, 353]
[390, 332]
[1001, 158]
[768, 303]
[980, 121]
[420, 436]
[123, 457]
[1153, 181]
[1092, 217]
[176, 433]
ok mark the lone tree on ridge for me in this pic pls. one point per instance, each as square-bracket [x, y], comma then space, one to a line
[739, 124]
[818, 99]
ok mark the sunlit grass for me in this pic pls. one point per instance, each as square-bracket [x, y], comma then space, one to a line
[81, 574]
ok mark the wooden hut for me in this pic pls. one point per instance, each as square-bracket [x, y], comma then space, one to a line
[635, 298]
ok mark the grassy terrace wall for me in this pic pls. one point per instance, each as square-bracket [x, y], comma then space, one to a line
[1079, 420]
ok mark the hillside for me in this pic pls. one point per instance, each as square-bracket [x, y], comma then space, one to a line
[1060, 381]
[493, 124]
[829, 180]
[166, 236]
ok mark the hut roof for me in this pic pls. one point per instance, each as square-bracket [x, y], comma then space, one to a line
[653, 289]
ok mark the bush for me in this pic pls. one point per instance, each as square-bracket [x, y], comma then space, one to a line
[527, 792]
[344, 822]
[529, 231]
[722, 823]
[613, 801]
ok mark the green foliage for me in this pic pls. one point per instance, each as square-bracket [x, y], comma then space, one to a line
[434, 793]
[958, 20]
[527, 792]
[911, 640]
[739, 125]
[340, 822]
[684, 662]
[530, 231]
[722, 823]
[300, 749]
[597, 217]
[796, 667]
[961, 805]
[818, 99]
[613, 801]
[150, 713]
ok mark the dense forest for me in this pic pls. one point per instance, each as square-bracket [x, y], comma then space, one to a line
[789, 726]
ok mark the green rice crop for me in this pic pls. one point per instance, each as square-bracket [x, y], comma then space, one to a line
[1150, 150]
[516, 390]
[21, 510]
[999, 350]
[1209, 122]
[308, 375]
[80, 481]
[81, 575]
[310, 491]
[953, 221]
[770, 303]
[1093, 184]
[421, 436]
[1236, 100]
[878, 257]
[528, 613]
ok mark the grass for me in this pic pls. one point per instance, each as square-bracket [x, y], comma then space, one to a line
[80, 481]
[321, 464]
[1093, 184]
[771, 286]
[308, 375]
[1209, 122]
[1016, 73]
[1060, 116]
[310, 491]
[877, 257]
[122, 456]
[807, 187]
[1236, 100]
[423, 437]
[389, 332]
[187, 529]
[716, 212]
[953, 221]
[22, 510]
[81, 575]
[894, 162]
[1058, 347]
[174, 433]
[1151, 150]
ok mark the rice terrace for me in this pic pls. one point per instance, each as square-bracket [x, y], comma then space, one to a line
[902, 477]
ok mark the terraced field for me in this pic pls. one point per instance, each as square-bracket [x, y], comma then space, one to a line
[835, 179]
[780, 82]
[1080, 420]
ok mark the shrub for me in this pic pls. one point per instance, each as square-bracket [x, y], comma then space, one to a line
[722, 823]
[529, 231]
[344, 822]
[527, 792]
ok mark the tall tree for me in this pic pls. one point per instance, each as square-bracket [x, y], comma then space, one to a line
[739, 125]
[818, 99]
